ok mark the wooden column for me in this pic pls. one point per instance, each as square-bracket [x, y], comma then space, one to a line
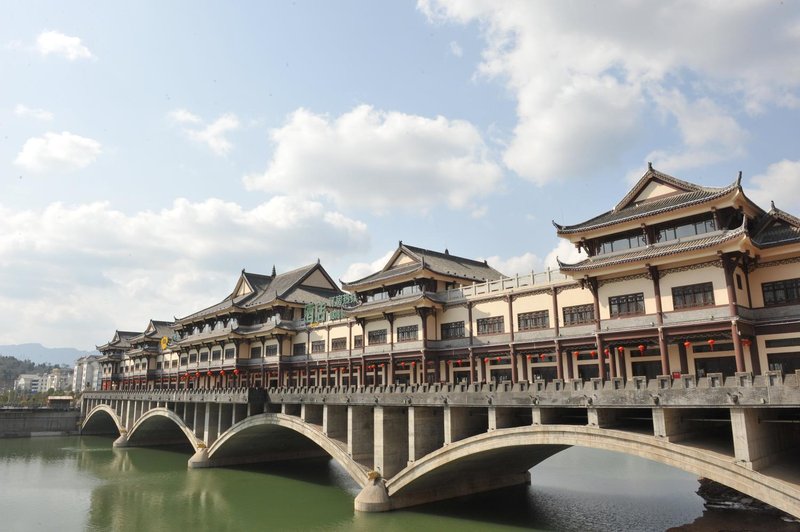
[663, 348]
[559, 364]
[729, 262]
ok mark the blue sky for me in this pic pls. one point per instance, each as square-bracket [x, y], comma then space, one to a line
[150, 150]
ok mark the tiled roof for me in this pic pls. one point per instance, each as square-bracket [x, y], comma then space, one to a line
[775, 228]
[435, 261]
[385, 304]
[625, 211]
[658, 250]
[268, 288]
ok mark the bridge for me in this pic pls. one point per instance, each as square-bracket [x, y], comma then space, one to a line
[411, 444]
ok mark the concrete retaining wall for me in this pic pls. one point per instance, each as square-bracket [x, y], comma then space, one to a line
[25, 423]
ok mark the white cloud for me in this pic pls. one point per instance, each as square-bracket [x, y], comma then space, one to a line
[780, 183]
[456, 49]
[73, 274]
[182, 116]
[585, 77]
[359, 270]
[38, 114]
[379, 160]
[57, 151]
[55, 42]
[213, 135]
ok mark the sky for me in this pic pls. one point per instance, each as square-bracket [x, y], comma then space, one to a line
[149, 151]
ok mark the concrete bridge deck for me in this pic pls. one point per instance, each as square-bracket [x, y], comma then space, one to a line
[407, 445]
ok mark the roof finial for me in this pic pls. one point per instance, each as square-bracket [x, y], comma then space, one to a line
[399, 243]
[242, 270]
[273, 270]
[772, 204]
[317, 260]
[446, 251]
[739, 179]
[649, 166]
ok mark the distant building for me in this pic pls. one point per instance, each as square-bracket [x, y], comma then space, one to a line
[56, 379]
[87, 373]
[28, 382]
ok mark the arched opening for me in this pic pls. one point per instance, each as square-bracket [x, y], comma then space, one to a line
[100, 422]
[161, 428]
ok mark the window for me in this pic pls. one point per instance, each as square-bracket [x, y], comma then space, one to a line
[216, 354]
[452, 330]
[493, 325]
[410, 289]
[339, 344]
[578, 314]
[318, 346]
[204, 356]
[299, 349]
[255, 351]
[271, 350]
[697, 227]
[377, 337]
[409, 333]
[158, 365]
[627, 305]
[183, 360]
[230, 353]
[378, 296]
[358, 340]
[193, 358]
[783, 342]
[693, 295]
[781, 292]
[635, 239]
[533, 320]
[738, 281]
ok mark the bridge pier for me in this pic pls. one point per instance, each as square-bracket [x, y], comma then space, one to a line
[462, 422]
[211, 423]
[334, 422]
[425, 431]
[757, 442]
[668, 424]
[391, 440]
[360, 440]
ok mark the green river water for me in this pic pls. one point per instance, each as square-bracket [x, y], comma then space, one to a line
[75, 484]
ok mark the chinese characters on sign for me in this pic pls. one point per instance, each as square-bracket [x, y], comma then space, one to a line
[332, 310]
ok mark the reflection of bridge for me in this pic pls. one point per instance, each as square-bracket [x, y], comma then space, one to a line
[406, 445]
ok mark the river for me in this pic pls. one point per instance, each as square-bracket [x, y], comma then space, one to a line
[81, 483]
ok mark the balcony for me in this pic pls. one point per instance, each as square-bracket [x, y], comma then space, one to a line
[505, 284]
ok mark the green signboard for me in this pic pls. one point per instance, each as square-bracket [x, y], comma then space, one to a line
[333, 309]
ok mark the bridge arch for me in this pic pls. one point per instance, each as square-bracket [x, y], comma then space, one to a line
[157, 426]
[97, 421]
[520, 448]
[273, 436]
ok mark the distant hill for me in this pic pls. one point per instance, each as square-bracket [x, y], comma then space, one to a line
[11, 368]
[40, 354]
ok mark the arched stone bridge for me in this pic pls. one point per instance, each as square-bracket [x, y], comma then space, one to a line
[410, 445]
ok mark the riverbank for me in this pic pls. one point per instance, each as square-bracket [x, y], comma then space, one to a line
[34, 422]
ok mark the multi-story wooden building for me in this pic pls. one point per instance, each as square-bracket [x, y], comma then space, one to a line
[678, 278]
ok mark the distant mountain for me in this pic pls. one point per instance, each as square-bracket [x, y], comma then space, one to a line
[40, 354]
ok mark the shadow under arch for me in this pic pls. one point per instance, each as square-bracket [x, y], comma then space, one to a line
[505, 451]
[161, 426]
[266, 437]
[101, 420]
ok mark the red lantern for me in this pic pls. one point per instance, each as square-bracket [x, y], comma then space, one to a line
[711, 343]
[413, 362]
[209, 373]
[402, 364]
[605, 351]
[197, 374]
[641, 348]
[459, 362]
[576, 353]
[593, 353]
[236, 371]
[621, 349]
[222, 372]
[687, 344]
[541, 357]
[746, 342]
[497, 359]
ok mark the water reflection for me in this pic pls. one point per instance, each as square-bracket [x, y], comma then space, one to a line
[84, 484]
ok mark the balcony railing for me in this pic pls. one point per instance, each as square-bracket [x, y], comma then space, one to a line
[545, 278]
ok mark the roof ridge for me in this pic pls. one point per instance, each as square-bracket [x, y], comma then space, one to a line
[449, 256]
